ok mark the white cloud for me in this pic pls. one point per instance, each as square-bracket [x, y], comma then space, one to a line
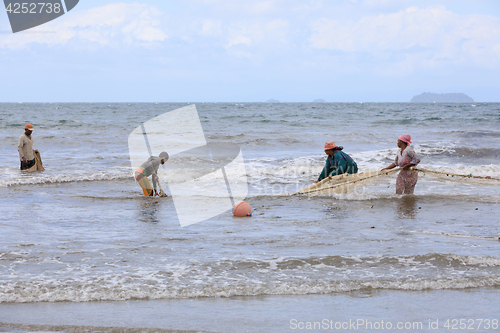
[296, 30]
[277, 24]
[434, 33]
[240, 34]
[261, 7]
[256, 7]
[237, 40]
[211, 28]
[256, 37]
[108, 25]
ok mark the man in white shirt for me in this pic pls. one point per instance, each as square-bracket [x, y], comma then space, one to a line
[25, 148]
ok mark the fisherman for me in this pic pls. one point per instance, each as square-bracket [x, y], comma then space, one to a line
[337, 162]
[405, 158]
[148, 168]
[25, 148]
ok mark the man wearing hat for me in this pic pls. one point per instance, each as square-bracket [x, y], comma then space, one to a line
[25, 148]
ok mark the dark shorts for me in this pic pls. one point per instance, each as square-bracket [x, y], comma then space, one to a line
[27, 165]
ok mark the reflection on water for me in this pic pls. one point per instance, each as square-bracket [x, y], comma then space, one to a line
[407, 207]
[148, 210]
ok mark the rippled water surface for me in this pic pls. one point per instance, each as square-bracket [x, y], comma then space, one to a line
[80, 233]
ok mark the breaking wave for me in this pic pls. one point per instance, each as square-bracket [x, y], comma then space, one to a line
[280, 276]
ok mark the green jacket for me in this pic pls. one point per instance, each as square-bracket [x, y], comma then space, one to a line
[338, 164]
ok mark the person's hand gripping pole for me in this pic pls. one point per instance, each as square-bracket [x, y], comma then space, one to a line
[161, 193]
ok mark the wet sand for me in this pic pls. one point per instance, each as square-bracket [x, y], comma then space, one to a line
[263, 313]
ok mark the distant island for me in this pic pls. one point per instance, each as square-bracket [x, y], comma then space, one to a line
[446, 98]
[319, 100]
[272, 101]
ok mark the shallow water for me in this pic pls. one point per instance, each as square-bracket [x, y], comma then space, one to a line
[80, 238]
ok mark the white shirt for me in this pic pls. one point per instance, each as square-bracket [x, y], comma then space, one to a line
[406, 156]
[27, 146]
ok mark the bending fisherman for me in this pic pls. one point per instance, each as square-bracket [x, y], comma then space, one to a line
[337, 162]
[148, 168]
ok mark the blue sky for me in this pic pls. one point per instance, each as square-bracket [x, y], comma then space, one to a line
[251, 51]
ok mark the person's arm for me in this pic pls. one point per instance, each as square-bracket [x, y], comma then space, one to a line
[154, 180]
[156, 164]
[21, 155]
[154, 176]
[150, 170]
[415, 159]
[323, 174]
[20, 149]
[392, 166]
[341, 168]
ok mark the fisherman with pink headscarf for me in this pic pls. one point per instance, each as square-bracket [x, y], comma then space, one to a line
[406, 158]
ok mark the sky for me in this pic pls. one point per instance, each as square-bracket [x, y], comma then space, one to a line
[255, 50]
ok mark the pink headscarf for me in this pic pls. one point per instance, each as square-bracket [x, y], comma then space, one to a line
[405, 138]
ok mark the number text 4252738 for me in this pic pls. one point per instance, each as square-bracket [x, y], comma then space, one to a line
[33, 8]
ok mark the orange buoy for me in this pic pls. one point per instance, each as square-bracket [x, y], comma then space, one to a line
[242, 209]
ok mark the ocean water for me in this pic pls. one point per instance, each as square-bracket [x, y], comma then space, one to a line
[81, 249]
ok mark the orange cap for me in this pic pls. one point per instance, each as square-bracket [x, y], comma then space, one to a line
[28, 127]
[330, 145]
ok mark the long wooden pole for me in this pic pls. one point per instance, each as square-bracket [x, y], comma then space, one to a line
[355, 178]
[347, 179]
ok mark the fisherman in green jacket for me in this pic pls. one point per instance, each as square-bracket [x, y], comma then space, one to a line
[337, 162]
